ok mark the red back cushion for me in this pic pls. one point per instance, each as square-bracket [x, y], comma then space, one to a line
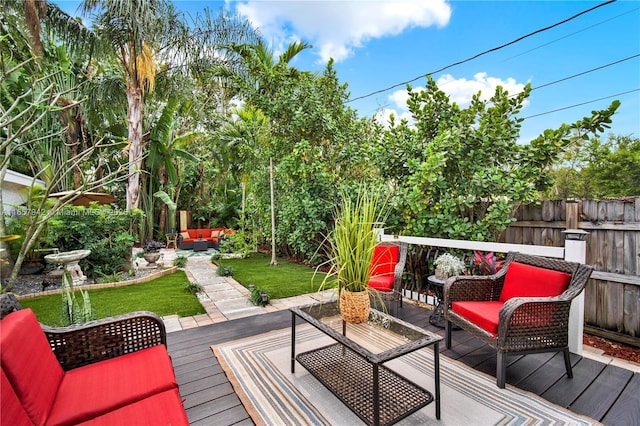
[12, 413]
[203, 233]
[524, 280]
[29, 363]
[192, 233]
[384, 259]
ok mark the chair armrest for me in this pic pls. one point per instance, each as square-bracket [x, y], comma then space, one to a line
[79, 345]
[527, 322]
[472, 287]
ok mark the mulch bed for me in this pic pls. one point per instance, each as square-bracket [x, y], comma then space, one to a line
[613, 349]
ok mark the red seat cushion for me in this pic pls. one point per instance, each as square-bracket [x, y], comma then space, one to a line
[96, 389]
[29, 364]
[12, 413]
[381, 282]
[162, 409]
[483, 314]
[524, 280]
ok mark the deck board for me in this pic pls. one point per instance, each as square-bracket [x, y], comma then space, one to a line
[602, 392]
[595, 402]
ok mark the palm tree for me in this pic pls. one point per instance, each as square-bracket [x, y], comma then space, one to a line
[132, 30]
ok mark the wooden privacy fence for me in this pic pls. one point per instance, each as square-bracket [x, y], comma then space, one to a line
[612, 297]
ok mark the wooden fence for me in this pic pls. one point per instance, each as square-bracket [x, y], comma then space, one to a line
[612, 297]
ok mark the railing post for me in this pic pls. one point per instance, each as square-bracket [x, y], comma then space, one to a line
[575, 250]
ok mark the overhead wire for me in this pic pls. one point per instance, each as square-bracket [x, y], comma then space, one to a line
[582, 103]
[404, 83]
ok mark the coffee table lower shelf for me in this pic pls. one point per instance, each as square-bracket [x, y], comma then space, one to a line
[351, 378]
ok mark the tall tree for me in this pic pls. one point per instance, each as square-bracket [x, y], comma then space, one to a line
[133, 30]
[460, 172]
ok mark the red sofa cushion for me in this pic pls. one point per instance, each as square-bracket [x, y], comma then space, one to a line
[381, 282]
[162, 409]
[524, 280]
[485, 315]
[12, 413]
[30, 365]
[96, 389]
[203, 233]
[192, 233]
[384, 259]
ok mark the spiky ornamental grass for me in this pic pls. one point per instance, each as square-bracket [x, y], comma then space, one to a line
[354, 237]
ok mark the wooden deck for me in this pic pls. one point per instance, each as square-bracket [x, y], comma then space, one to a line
[606, 393]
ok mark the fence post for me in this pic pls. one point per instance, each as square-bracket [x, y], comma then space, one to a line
[575, 250]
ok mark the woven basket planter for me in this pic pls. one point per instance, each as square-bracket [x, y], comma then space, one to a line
[355, 306]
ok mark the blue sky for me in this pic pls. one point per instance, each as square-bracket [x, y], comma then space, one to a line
[380, 43]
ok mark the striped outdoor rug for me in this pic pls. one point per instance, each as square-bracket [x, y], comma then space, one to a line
[259, 369]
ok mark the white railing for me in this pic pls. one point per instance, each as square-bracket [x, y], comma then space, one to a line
[574, 250]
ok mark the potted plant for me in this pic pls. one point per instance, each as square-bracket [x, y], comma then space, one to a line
[152, 252]
[448, 265]
[351, 246]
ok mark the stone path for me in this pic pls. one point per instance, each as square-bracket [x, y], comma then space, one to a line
[223, 297]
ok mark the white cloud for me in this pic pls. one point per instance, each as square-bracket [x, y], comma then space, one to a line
[459, 90]
[336, 28]
[462, 90]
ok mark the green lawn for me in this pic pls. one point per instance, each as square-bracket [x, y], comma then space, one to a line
[163, 296]
[285, 280]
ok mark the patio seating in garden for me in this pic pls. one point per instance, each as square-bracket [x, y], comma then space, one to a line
[387, 266]
[108, 372]
[524, 308]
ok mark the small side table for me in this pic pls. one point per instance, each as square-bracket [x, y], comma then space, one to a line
[436, 285]
[171, 239]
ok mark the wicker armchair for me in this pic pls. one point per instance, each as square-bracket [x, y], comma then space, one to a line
[525, 324]
[393, 296]
[79, 345]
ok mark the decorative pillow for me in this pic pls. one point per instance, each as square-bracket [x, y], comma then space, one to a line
[524, 280]
[217, 234]
[185, 235]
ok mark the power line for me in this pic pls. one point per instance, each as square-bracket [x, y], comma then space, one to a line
[581, 73]
[571, 35]
[483, 53]
[582, 103]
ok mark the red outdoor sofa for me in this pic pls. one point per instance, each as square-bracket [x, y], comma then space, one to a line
[114, 371]
[186, 237]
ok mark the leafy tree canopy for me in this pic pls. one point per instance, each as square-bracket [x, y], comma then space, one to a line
[460, 172]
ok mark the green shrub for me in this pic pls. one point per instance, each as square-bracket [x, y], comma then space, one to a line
[101, 229]
[224, 271]
[255, 295]
[193, 288]
[180, 261]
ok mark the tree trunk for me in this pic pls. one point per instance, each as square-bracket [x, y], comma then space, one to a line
[134, 99]
[274, 261]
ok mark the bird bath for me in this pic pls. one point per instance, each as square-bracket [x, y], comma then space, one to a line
[69, 259]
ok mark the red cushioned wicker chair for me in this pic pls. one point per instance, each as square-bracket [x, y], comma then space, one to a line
[522, 309]
[387, 266]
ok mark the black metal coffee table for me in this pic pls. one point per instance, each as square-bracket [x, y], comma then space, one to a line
[354, 374]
